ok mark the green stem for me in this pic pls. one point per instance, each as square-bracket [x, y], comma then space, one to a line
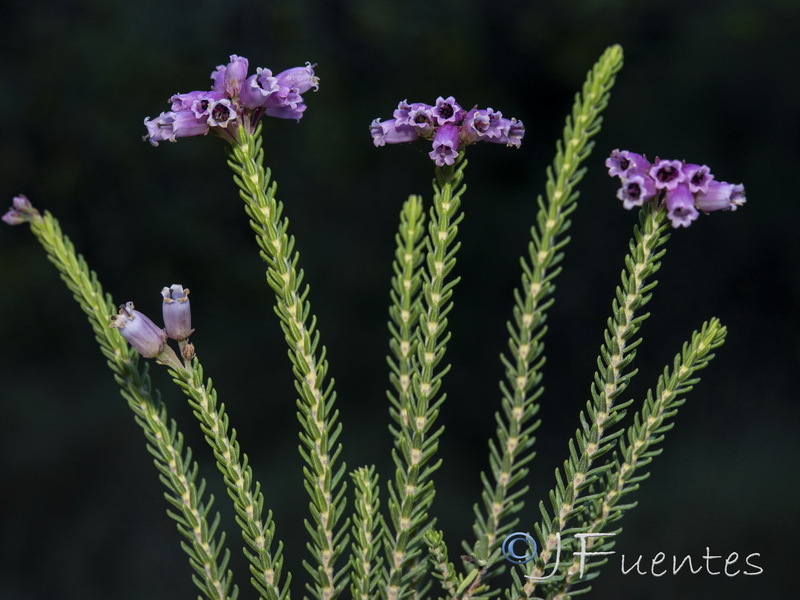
[649, 427]
[177, 470]
[412, 493]
[512, 449]
[614, 372]
[319, 432]
[246, 495]
[367, 523]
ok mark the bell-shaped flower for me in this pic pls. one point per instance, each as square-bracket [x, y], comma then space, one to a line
[230, 78]
[621, 161]
[21, 211]
[287, 112]
[636, 189]
[680, 206]
[445, 145]
[721, 196]
[177, 312]
[389, 132]
[482, 125]
[698, 177]
[511, 133]
[258, 88]
[421, 118]
[147, 338]
[667, 174]
[447, 110]
[169, 126]
[300, 79]
[221, 113]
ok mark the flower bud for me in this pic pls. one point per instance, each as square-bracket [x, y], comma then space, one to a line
[177, 313]
[21, 211]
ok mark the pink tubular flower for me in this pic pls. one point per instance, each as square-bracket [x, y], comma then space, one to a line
[483, 125]
[197, 102]
[447, 111]
[300, 79]
[721, 196]
[221, 113]
[698, 177]
[621, 161]
[257, 88]
[636, 190]
[177, 312]
[667, 174]
[174, 124]
[147, 338]
[287, 112]
[229, 79]
[511, 133]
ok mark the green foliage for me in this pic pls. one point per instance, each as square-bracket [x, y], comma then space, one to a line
[443, 569]
[455, 586]
[648, 429]
[246, 495]
[597, 433]
[513, 448]
[176, 469]
[365, 561]
[320, 431]
[419, 344]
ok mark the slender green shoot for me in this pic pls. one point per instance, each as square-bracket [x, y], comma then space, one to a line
[644, 436]
[318, 418]
[243, 490]
[417, 377]
[365, 559]
[597, 432]
[177, 470]
[512, 448]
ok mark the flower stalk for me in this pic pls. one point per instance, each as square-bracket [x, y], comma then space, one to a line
[417, 377]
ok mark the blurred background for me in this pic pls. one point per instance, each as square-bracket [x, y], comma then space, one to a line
[81, 508]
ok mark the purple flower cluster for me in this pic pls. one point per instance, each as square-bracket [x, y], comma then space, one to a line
[234, 98]
[448, 126]
[21, 211]
[687, 188]
[149, 339]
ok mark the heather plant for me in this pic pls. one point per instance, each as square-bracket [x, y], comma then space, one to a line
[376, 539]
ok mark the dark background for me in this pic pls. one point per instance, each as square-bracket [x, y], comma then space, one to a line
[81, 512]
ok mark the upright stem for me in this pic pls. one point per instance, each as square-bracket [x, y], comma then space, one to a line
[318, 419]
[614, 372]
[512, 448]
[247, 497]
[418, 389]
